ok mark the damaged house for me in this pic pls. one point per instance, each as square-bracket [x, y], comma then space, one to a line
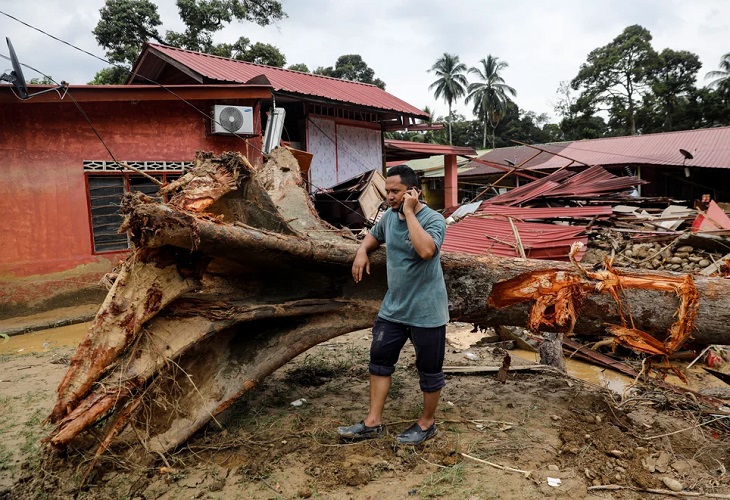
[682, 165]
[62, 150]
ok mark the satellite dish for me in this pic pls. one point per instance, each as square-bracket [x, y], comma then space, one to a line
[687, 155]
[15, 77]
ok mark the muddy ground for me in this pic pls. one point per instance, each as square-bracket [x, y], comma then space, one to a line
[540, 434]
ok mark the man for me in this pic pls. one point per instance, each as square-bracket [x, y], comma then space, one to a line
[415, 306]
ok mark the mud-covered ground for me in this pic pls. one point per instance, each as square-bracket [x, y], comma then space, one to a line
[538, 435]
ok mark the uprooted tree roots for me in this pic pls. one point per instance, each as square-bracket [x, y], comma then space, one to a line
[210, 303]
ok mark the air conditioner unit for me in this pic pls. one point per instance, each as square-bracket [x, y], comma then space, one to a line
[232, 120]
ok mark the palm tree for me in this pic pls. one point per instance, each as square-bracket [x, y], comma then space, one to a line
[489, 93]
[430, 114]
[451, 83]
[721, 76]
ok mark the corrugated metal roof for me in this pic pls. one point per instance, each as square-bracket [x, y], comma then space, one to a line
[284, 80]
[592, 182]
[515, 155]
[395, 149]
[478, 235]
[530, 191]
[537, 213]
[710, 148]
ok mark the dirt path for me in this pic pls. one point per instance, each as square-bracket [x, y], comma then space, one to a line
[557, 428]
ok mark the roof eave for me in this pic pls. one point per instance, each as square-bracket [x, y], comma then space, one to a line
[125, 93]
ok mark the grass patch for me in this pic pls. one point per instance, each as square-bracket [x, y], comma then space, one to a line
[317, 369]
[443, 482]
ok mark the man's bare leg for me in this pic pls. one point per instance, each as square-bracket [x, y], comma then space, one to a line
[379, 387]
[430, 403]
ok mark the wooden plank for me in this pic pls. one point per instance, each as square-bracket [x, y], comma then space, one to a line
[491, 369]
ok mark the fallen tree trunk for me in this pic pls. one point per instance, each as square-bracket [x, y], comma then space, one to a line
[259, 279]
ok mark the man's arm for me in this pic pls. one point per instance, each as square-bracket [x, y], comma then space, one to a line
[422, 242]
[362, 262]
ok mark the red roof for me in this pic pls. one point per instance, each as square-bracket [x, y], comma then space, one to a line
[221, 69]
[408, 150]
[709, 148]
[513, 156]
[590, 183]
[480, 235]
[539, 213]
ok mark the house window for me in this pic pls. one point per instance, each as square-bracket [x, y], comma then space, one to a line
[105, 197]
[107, 186]
[435, 184]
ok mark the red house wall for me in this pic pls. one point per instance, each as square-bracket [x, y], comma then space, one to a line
[45, 235]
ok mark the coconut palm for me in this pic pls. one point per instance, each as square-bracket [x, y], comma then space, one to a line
[430, 114]
[489, 94]
[721, 76]
[451, 83]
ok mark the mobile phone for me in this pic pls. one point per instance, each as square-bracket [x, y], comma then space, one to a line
[400, 208]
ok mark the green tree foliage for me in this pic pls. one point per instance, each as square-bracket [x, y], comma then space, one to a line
[431, 118]
[617, 75]
[672, 83]
[299, 67]
[113, 75]
[46, 80]
[708, 108]
[721, 78]
[466, 132]
[125, 26]
[489, 94]
[351, 67]
[243, 50]
[450, 83]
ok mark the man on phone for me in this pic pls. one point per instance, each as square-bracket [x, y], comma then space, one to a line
[415, 306]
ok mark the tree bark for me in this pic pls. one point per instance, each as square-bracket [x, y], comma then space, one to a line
[209, 304]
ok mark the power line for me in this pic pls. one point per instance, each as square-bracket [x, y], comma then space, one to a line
[124, 68]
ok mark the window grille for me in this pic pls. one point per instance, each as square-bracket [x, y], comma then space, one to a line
[107, 185]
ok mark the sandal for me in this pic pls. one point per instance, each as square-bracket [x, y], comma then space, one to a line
[415, 435]
[360, 431]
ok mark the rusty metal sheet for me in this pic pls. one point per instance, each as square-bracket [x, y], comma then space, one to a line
[477, 235]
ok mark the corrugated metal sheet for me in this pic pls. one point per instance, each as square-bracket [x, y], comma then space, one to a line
[537, 213]
[476, 235]
[530, 191]
[426, 148]
[592, 182]
[709, 147]
[516, 155]
[284, 80]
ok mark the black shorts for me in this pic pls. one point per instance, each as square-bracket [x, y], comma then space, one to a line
[430, 344]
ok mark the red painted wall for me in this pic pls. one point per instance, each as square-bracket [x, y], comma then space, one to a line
[45, 231]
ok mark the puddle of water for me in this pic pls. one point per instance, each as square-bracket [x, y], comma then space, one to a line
[45, 340]
[617, 382]
[602, 377]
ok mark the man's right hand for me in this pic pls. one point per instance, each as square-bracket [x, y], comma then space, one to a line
[362, 262]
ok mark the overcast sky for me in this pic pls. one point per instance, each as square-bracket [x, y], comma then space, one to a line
[544, 42]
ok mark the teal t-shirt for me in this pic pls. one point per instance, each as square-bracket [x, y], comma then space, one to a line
[416, 293]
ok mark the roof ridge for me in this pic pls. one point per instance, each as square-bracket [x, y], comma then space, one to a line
[653, 134]
[203, 54]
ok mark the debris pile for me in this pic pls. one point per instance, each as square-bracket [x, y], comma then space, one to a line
[541, 220]
[674, 256]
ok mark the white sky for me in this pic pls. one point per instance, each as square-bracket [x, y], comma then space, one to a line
[544, 42]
